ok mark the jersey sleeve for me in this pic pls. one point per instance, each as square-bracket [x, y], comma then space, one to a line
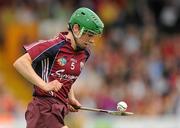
[42, 49]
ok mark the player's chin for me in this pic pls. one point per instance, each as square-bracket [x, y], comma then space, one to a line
[84, 46]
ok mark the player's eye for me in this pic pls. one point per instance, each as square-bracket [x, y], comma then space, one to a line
[90, 35]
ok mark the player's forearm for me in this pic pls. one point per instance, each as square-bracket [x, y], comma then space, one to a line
[71, 93]
[23, 66]
[73, 101]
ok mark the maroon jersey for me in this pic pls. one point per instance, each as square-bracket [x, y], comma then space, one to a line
[56, 59]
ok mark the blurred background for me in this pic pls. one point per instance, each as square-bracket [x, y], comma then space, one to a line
[136, 60]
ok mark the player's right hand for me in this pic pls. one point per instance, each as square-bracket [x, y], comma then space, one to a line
[54, 85]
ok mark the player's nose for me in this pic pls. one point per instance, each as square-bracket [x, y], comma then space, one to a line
[92, 40]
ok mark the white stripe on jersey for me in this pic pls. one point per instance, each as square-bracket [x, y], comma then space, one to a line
[42, 66]
[45, 67]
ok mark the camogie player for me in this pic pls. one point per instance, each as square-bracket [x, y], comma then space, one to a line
[52, 66]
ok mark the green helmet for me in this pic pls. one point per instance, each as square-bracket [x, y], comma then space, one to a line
[87, 20]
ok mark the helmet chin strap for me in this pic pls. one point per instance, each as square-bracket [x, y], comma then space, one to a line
[78, 48]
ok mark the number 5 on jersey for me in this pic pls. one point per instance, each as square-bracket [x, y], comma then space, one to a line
[72, 65]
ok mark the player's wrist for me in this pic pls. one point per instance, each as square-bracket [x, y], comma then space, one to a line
[43, 86]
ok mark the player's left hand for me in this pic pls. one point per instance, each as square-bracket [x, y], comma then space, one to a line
[73, 102]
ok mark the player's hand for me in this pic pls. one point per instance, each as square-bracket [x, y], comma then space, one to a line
[73, 102]
[54, 85]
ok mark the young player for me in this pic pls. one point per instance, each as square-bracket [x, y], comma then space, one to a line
[52, 66]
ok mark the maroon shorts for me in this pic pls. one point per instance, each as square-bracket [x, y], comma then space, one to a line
[45, 113]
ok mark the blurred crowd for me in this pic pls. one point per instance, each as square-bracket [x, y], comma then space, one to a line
[136, 60]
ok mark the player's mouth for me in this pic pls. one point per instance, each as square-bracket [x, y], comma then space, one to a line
[86, 44]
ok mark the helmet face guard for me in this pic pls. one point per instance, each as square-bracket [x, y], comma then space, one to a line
[87, 20]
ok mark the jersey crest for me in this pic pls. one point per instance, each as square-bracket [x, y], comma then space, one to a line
[62, 61]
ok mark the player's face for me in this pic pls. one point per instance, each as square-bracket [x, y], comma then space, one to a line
[85, 40]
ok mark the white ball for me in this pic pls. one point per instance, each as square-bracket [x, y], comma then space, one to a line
[122, 106]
